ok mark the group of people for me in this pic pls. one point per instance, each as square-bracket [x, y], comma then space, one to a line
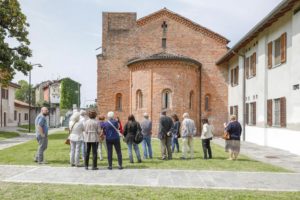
[89, 132]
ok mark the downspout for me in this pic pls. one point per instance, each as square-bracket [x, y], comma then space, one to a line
[200, 99]
[1, 105]
[244, 94]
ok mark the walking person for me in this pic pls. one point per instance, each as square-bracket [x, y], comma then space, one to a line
[175, 133]
[102, 140]
[130, 131]
[91, 139]
[206, 137]
[41, 131]
[233, 144]
[146, 126]
[165, 136]
[112, 134]
[83, 119]
[188, 132]
[76, 138]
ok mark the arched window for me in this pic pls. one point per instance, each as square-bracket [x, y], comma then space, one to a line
[166, 99]
[139, 99]
[191, 99]
[207, 102]
[119, 102]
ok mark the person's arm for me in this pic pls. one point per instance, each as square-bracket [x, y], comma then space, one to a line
[194, 129]
[41, 123]
[125, 129]
[160, 126]
[204, 129]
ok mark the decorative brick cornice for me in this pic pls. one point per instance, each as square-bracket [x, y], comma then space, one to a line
[180, 19]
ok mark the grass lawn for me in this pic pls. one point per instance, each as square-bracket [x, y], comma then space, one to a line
[6, 135]
[57, 154]
[55, 191]
[26, 127]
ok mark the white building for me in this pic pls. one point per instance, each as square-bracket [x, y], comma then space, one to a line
[7, 105]
[264, 78]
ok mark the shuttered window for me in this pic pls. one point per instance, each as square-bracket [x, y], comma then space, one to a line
[234, 110]
[234, 73]
[277, 112]
[250, 66]
[277, 51]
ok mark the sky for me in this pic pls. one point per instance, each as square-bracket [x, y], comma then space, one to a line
[65, 34]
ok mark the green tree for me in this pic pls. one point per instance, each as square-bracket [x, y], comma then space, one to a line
[69, 93]
[14, 43]
[22, 94]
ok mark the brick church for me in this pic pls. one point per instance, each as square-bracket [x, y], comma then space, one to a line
[161, 61]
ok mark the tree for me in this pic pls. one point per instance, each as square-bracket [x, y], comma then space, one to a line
[22, 94]
[69, 93]
[14, 43]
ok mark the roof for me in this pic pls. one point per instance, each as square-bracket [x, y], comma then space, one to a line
[273, 16]
[172, 15]
[11, 84]
[21, 104]
[164, 56]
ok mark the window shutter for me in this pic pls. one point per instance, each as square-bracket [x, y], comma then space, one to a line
[270, 46]
[283, 112]
[231, 77]
[247, 67]
[254, 64]
[247, 113]
[237, 75]
[254, 113]
[269, 112]
[231, 110]
[283, 47]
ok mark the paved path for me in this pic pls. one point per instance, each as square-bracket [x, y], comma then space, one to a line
[22, 139]
[153, 178]
[268, 155]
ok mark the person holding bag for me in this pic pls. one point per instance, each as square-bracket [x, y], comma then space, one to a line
[112, 134]
[206, 136]
[76, 136]
[131, 129]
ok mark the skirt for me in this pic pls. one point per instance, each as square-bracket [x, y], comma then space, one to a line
[232, 146]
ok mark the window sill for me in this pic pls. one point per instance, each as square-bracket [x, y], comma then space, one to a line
[234, 85]
[250, 77]
[278, 65]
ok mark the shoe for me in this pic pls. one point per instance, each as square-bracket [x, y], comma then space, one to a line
[72, 165]
[101, 159]
[204, 158]
[78, 166]
[131, 162]
[86, 167]
[164, 158]
[120, 168]
[182, 158]
[139, 161]
[42, 163]
[95, 168]
[109, 168]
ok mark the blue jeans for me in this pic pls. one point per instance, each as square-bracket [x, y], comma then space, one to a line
[146, 144]
[175, 142]
[136, 149]
[83, 150]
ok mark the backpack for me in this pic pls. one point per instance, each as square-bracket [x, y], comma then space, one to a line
[139, 136]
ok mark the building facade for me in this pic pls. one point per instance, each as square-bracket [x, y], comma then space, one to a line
[161, 61]
[264, 77]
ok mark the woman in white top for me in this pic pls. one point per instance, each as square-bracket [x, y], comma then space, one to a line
[206, 136]
[76, 137]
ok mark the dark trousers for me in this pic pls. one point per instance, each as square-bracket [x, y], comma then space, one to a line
[117, 145]
[206, 148]
[94, 147]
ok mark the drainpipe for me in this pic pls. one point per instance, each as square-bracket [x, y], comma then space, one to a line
[244, 94]
[1, 105]
[200, 95]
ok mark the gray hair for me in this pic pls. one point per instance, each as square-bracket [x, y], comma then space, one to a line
[186, 115]
[110, 115]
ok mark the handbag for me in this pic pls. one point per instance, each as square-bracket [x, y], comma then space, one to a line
[67, 141]
[226, 135]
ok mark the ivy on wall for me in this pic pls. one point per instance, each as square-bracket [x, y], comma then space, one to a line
[69, 93]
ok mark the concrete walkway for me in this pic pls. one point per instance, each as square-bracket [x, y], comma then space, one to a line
[153, 178]
[273, 156]
[25, 137]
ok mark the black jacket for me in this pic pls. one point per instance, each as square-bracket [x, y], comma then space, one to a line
[130, 131]
[165, 125]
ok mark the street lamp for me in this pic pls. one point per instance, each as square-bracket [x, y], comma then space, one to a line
[29, 116]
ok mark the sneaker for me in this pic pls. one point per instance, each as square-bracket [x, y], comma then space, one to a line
[120, 168]
[109, 168]
[95, 168]
[86, 168]
[182, 158]
[42, 163]
[72, 165]
[78, 166]
[139, 161]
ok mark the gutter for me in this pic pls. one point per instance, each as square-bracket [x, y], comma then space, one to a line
[244, 94]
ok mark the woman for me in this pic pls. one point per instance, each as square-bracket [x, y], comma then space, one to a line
[130, 131]
[76, 137]
[206, 136]
[110, 128]
[102, 141]
[120, 125]
[175, 132]
[232, 146]
[91, 139]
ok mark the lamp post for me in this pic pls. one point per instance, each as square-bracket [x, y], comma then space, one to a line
[29, 115]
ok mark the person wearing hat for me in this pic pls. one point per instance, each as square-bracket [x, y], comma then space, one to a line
[165, 136]
[146, 126]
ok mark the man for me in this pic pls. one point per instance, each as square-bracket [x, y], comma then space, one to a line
[164, 134]
[188, 132]
[146, 126]
[41, 130]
